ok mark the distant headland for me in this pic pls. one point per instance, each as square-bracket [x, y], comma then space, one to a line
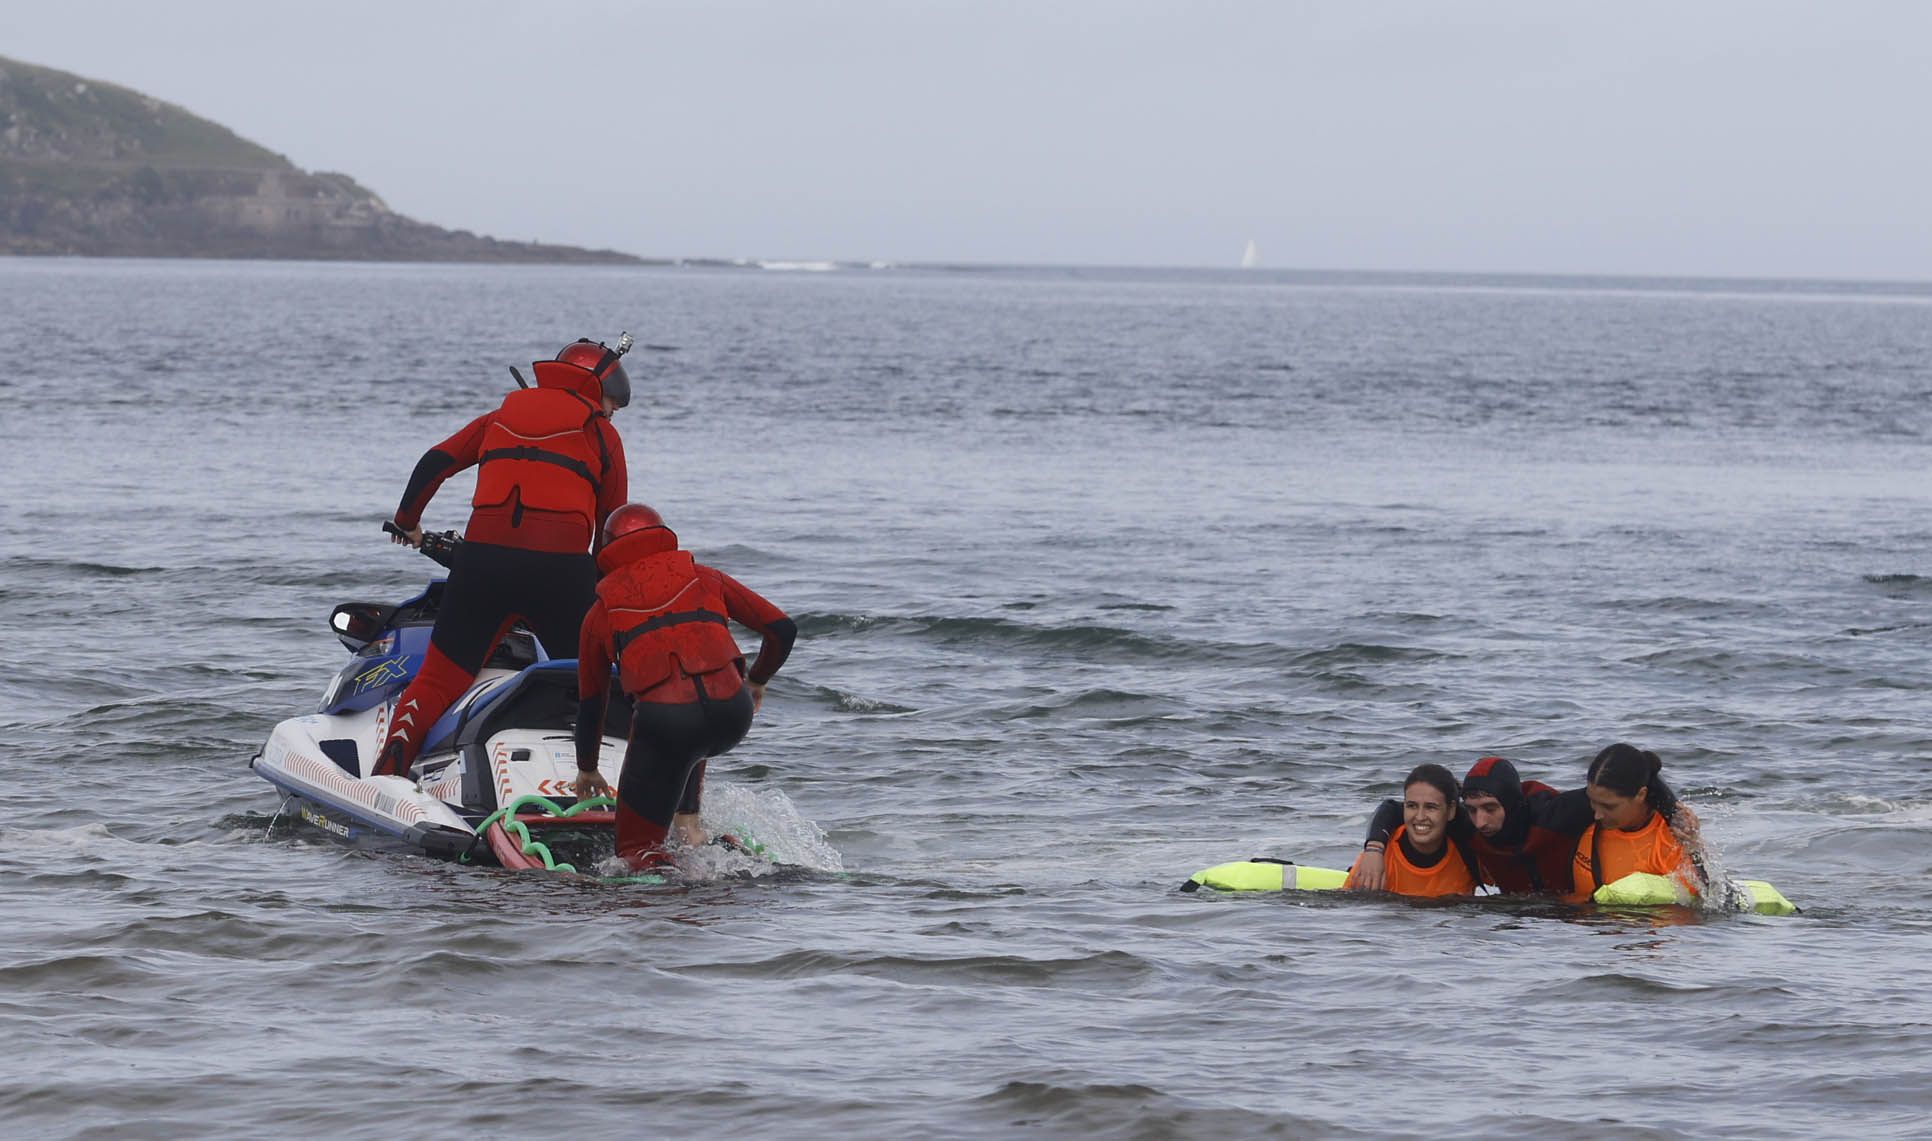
[91, 169]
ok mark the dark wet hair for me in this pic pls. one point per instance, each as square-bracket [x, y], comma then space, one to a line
[1626, 769]
[1441, 779]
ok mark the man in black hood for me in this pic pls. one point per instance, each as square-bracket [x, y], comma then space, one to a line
[1494, 790]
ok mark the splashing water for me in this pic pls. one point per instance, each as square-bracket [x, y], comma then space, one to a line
[767, 817]
[765, 820]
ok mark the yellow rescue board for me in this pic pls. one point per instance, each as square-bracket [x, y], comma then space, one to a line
[1265, 875]
[1637, 890]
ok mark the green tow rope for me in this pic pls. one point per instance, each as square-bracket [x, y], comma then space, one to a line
[521, 831]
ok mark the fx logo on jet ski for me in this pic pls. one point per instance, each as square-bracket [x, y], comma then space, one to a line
[390, 669]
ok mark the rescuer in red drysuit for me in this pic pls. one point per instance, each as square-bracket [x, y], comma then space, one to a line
[550, 467]
[660, 616]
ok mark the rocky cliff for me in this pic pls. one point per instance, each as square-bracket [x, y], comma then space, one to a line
[93, 169]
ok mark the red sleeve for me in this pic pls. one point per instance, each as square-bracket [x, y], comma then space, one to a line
[613, 491]
[593, 683]
[746, 607]
[439, 463]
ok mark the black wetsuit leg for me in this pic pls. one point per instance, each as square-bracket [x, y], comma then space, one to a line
[668, 743]
[555, 608]
[489, 588]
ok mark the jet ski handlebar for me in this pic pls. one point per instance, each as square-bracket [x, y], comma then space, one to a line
[438, 546]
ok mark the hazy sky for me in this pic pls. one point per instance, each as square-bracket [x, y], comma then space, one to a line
[1731, 137]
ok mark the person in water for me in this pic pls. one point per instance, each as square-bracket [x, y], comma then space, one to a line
[550, 468]
[1422, 858]
[660, 616]
[1524, 833]
[1639, 826]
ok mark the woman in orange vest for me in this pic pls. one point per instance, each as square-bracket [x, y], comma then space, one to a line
[1640, 826]
[1421, 859]
[660, 617]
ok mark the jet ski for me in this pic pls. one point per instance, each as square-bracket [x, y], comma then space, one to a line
[493, 783]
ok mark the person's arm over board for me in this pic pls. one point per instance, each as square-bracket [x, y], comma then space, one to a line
[1382, 825]
[1370, 872]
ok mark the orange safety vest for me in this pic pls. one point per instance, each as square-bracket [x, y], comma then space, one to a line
[666, 620]
[1607, 855]
[1448, 876]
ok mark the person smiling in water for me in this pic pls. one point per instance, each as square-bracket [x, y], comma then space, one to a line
[1422, 858]
[1640, 826]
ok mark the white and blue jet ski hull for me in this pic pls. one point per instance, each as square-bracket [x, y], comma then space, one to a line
[507, 738]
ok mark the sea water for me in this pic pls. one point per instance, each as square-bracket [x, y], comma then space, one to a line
[1101, 577]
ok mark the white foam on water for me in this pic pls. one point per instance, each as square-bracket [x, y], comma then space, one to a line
[89, 839]
[767, 816]
[764, 817]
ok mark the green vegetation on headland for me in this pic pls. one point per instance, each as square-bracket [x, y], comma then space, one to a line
[92, 169]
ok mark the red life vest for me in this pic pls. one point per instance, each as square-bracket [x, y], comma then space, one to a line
[1540, 866]
[666, 620]
[1540, 862]
[541, 453]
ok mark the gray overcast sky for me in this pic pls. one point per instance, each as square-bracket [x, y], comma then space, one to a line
[1730, 137]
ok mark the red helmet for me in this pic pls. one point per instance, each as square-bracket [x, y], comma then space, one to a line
[603, 363]
[629, 520]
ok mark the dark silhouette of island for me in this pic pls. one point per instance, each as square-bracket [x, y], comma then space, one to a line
[88, 168]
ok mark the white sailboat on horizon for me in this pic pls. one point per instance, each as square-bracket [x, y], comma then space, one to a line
[1250, 257]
